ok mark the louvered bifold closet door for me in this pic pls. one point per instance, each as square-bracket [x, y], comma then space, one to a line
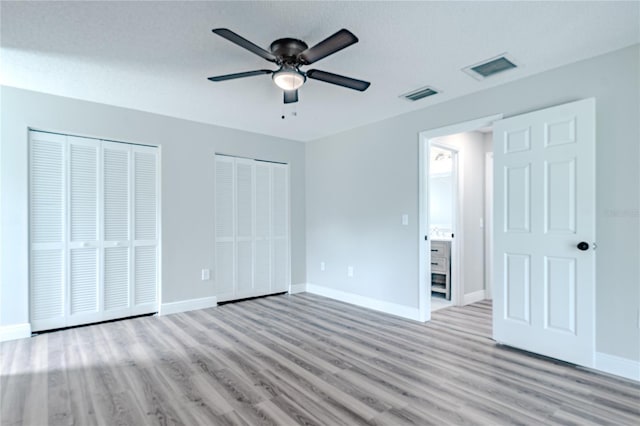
[244, 178]
[83, 236]
[94, 244]
[224, 227]
[252, 228]
[117, 213]
[47, 230]
[262, 252]
[145, 229]
[280, 228]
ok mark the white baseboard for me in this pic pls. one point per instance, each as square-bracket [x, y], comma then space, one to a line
[623, 367]
[366, 302]
[474, 297]
[187, 305]
[15, 331]
[297, 288]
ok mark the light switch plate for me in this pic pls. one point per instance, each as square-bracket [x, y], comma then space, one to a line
[350, 271]
[405, 219]
[322, 266]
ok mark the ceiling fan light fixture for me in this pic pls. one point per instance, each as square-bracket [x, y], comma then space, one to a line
[288, 79]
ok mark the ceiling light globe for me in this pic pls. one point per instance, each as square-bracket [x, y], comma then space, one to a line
[288, 79]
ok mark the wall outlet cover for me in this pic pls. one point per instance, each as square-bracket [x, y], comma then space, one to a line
[350, 271]
[206, 274]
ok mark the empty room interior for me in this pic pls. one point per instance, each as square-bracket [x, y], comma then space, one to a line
[319, 212]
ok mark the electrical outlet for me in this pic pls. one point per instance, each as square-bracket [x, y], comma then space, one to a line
[405, 219]
[322, 266]
[350, 271]
[206, 274]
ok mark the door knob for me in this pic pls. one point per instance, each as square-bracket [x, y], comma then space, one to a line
[583, 245]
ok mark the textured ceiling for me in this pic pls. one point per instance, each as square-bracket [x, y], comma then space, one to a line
[156, 56]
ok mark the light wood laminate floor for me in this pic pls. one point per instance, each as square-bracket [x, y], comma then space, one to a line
[299, 359]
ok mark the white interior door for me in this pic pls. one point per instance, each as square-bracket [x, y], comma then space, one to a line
[544, 207]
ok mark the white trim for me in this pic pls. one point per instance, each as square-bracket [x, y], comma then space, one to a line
[488, 224]
[297, 288]
[424, 302]
[188, 305]
[366, 302]
[15, 331]
[474, 297]
[623, 367]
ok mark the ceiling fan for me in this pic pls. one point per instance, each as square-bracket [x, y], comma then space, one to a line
[290, 54]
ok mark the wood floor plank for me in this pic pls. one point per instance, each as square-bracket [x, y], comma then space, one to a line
[300, 359]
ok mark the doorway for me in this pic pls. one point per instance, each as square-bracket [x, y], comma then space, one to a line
[467, 237]
[443, 223]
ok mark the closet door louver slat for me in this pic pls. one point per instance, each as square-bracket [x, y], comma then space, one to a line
[145, 195]
[84, 280]
[116, 194]
[116, 278]
[145, 275]
[47, 284]
[83, 191]
[47, 190]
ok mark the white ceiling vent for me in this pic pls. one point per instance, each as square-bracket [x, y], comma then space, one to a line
[490, 67]
[421, 93]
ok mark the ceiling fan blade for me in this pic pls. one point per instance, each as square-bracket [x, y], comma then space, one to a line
[340, 80]
[239, 75]
[243, 42]
[290, 96]
[328, 46]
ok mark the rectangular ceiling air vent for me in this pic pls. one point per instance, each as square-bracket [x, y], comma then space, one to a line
[491, 67]
[420, 93]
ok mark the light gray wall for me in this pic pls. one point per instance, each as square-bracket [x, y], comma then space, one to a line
[360, 182]
[471, 149]
[187, 150]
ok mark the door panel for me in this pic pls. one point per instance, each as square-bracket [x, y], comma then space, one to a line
[518, 287]
[560, 196]
[116, 278]
[560, 291]
[145, 275]
[83, 277]
[517, 198]
[47, 285]
[544, 205]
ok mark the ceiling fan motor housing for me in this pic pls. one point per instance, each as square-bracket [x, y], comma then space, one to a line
[287, 50]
